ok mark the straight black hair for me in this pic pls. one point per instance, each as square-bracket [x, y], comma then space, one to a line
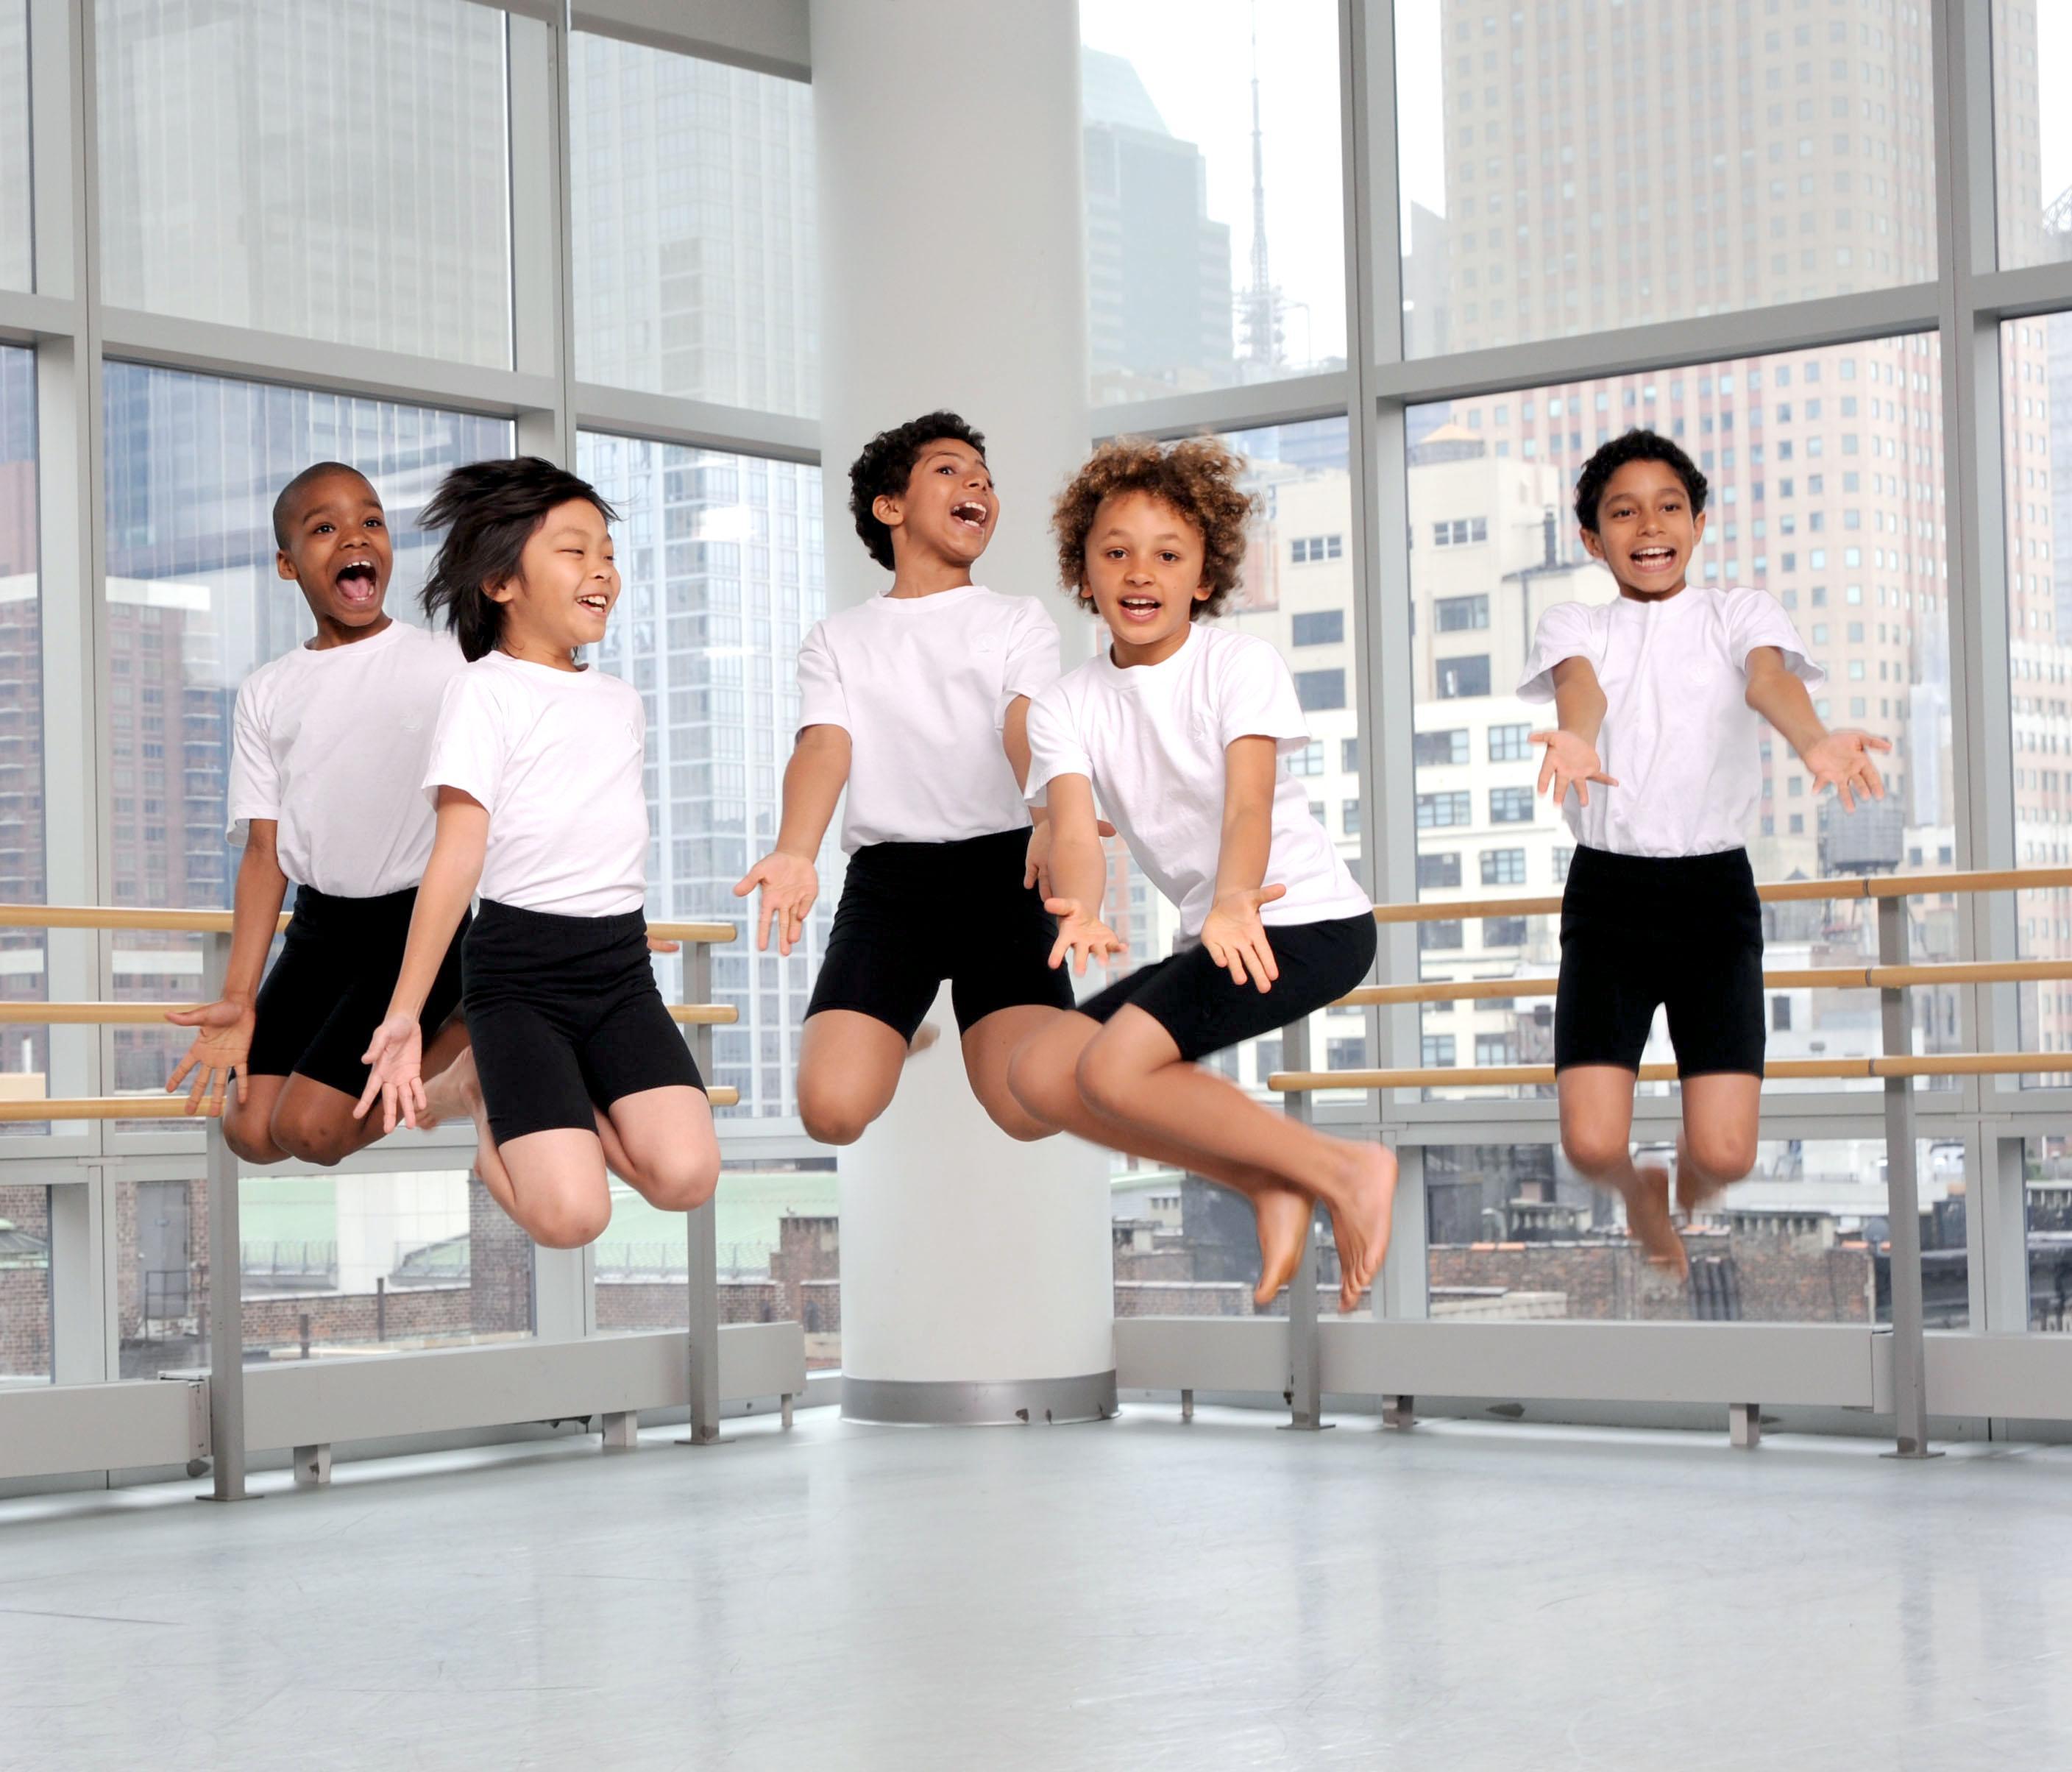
[490, 511]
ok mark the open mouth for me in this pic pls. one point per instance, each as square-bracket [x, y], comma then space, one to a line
[356, 583]
[970, 513]
[1653, 559]
[1140, 608]
[596, 602]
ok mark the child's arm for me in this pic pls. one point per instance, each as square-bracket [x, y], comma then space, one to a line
[396, 1052]
[1839, 759]
[1078, 869]
[1232, 932]
[813, 780]
[224, 1040]
[1571, 759]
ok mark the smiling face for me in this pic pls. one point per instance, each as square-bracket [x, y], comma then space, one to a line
[1646, 532]
[949, 508]
[566, 583]
[338, 551]
[1144, 565]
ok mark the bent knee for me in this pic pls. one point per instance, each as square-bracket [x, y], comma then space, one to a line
[1723, 1157]
[1041, 1087]
[1103, 1084]
[1019, 1121]
[682, 1185]
[313, 1138]
[569, 1225]
[1593, 1149]
[831, 1119]
[249, 1139]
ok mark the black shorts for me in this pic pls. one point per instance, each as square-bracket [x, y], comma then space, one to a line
[565, 1018]
[1198, 1002]
[993, 941]
[330, 989]
[1683, 932]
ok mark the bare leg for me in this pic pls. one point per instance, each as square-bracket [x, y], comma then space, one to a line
[248, 1125]
[849, 1067]
[671, 1152]
[1131, 1072]
[443, 1097]
[559, 1194]
[1596, 1134]
[1722, 1116]
[989, 1045]
[459, 1079]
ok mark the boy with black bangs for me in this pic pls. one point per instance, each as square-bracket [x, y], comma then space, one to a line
[1661, 695]
[917, 701]
[330, 742]
[1181, 729]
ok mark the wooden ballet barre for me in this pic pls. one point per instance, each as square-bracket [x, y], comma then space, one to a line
[1892, 886]
[151, 1014]
[1495, 1076]
[207, 923]
[704, 934]
[164, 1107]
[1945, 972]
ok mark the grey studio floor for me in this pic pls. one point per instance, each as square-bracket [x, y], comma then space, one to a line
[1141, 1594]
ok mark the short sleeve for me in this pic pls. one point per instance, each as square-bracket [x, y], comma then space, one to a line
[821, 700]
[255, 774]
[1753, 619]
[1033, 663]
[1255, 699]
[1563, 633]
[469, 749]
[1054, 748]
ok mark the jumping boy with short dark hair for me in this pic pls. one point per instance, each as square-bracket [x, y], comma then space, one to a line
[1661, 695]
[330, 744]
[917, 702]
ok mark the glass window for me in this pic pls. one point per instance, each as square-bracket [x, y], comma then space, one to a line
[1320, 690]
[1494, 1049]
[2036, 440]
[372, 210]
[2047, 1193]
[1510, 743]
[1441, 748]
[1439, 935]
[194, 606]
[719, 685]
[1540, 217]
[1457, 614]
[1441, 869]
[2033, 161]
[25, 1286]
[25, 1053]
[1503, 867]
[1349, 759]
[1215, 224]
[1319, 628]
[1436, 810]
[1503, 931]
[1903, 651]
[16, 270]
[695, 273]
[1438, 1049]
[1309, 760]
[1464, 676]
[1515, 1234]
[1349, 817]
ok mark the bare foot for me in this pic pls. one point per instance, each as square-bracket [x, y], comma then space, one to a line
[924, 1036]
[1361, 1223]
[455, 1089]
[1694, 1191]
[1647, 1220]
[1283, 1216]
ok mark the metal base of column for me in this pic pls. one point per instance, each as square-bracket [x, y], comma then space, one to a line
[959, 1404]
[1918, 1457]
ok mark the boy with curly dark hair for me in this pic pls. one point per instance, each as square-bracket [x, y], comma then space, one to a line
[1182, 729]
[1660, 695]
[917, 702]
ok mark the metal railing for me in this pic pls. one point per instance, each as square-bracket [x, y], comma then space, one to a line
[224, 1290]
[1892, 977]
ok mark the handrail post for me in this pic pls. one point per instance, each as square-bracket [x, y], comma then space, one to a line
[226, 1288]
[1909, 1375]
[1305, 1399]
[701, 1230]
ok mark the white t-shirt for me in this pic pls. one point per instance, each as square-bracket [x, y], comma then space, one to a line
[1678, 735]
[557, 757]
[332, 745]
[922, 686]
[1151, 739]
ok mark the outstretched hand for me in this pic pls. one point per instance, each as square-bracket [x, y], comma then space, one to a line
[1571, 761]
[1841, 760]
[1082, 935]
[222, 1043]
[790, 884]
[1236, 939]
[395, 1057]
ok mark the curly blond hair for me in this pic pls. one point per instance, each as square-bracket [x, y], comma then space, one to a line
[1198, 477]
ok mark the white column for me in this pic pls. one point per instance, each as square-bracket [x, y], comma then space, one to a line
[976, 1271]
